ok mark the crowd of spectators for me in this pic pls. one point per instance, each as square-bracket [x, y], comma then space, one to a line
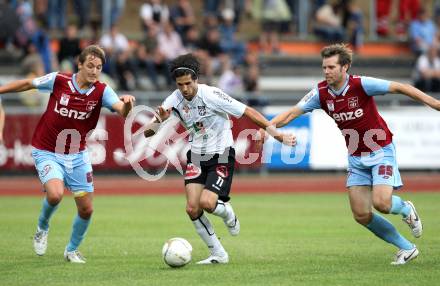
[169, 30]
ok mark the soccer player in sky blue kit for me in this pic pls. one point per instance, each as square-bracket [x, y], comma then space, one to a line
[204, 111]
[372, 172]
[59, 141]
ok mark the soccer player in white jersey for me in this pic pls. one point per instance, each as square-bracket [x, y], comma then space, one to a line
[373, 173]
[204, 111]
[2, 121]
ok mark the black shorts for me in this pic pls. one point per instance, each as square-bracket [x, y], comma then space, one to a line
[214, 171]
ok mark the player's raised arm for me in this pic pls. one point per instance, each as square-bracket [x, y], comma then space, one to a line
[161, 115]
[17, 85]
[414, 93]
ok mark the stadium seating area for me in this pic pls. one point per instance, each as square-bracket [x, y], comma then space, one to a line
[293, 68]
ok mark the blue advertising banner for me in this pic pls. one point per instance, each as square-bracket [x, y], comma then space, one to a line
[277, 156]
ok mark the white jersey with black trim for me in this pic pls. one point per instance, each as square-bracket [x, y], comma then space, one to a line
[206, 117]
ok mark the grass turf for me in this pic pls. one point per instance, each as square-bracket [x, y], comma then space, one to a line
[286, 239]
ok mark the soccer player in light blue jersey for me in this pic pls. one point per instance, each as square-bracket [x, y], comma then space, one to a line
[373, 174]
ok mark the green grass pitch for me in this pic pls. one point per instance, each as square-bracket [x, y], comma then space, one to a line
[285, 239]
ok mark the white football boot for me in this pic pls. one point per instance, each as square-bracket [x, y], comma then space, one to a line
[232, 222]
[40, 241]
[413, 221]
[216, 259]
[74, 256]
[403, 256]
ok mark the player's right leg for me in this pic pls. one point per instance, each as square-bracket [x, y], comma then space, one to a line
[51, 176]
[203, 225]
[361, 206]
[215, 197]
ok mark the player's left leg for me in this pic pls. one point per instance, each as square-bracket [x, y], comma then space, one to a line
[80, 225]
[386, 178]
[203, 226]
[79, 179]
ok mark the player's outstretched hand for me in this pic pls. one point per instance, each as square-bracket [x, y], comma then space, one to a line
[163, 113]
[126, 98]
[261, 138]
[287, 139]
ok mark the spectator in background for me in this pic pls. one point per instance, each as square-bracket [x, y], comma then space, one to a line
[229, 43]
[192, 39]
[427, 71]
[408, 10]
[69, 47]
[153, 12]
[383, 9]
[231, 80]
[152, 59]
[272, 15]
[422, 33]
[170, 43]
[328, 24]
[41, 40]
[125, 71]
[213, 55]
[2, 121]
[211, 7]
[56, 14]
[120, 64]
[353, 23]
[9, 24]
[111, 11]
[182, 17]
[114, 42]
[82, 9]
[32, 66]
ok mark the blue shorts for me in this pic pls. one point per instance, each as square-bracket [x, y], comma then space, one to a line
[378, 168]
[75, 170]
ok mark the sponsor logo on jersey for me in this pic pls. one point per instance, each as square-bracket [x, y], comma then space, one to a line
[309, 96]
[43, 79]
[202, 110]
[222, 171]
[186, 108]
[353, 102]
[330, 105]
[91, 105]
[199, 127]
[350, 115]
[192, 171]
[46, 169]
[223, 96]
[71, 113]
[64, 100]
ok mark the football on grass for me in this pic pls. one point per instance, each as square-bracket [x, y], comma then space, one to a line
[176, 252]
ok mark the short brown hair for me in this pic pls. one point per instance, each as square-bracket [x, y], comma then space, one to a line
[94, 50]
[343, 51]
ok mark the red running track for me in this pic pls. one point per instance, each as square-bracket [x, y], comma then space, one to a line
[133, 185]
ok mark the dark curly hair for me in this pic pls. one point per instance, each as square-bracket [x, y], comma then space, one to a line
[184, 65]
